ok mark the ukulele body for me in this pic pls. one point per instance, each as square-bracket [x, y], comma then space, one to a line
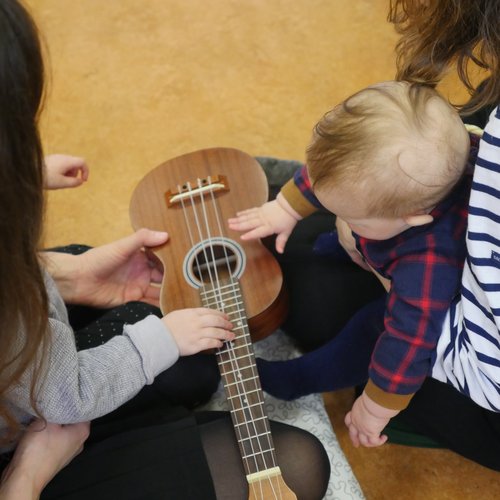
[206, 264]
[197, 225]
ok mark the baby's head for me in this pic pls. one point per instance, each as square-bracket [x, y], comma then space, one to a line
[383, 158]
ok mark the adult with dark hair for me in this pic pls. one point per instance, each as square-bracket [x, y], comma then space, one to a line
[147, 446]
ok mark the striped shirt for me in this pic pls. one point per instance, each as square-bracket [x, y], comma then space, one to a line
[468, 350]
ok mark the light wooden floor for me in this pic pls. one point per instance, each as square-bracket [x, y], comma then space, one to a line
[134, 82]
[405, 473]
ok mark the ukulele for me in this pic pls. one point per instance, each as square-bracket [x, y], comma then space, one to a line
[208, 264]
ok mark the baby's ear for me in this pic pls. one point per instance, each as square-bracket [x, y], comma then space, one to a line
[418, 220]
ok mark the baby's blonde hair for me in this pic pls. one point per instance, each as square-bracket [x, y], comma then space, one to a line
[386, 144]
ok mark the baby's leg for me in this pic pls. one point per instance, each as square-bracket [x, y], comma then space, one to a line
[342, 362]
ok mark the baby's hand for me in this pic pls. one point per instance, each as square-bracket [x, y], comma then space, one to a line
[198, 329]
[348, 243]
[366, 420]
[63, 171]
[274, 217]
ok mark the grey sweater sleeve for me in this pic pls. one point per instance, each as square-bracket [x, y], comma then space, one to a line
[79, 386]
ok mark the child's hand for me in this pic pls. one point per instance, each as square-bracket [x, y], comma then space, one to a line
[346, 239]
[366, 420]
[274, 217]
[63, 171]
[196, 330]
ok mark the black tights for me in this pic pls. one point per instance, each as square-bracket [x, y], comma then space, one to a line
[165, 453]
[300, 456]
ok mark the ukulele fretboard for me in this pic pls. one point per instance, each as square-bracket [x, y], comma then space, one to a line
[238, 370]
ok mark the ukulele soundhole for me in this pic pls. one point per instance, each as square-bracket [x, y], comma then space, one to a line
[213, 260]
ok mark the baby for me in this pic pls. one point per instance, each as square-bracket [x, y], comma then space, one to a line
[390, 163]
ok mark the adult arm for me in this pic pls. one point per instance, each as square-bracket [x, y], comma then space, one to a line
[108, 275]
[43, 451]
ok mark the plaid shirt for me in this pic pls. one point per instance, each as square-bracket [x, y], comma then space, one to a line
[424, 265]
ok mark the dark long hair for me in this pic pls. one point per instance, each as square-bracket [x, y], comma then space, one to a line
[437, 33]
[23, 299]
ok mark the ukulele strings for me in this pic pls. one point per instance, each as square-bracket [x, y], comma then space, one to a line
[241, 322]
[188, 225]
[217, 289]
[239, 378]
[230, 346]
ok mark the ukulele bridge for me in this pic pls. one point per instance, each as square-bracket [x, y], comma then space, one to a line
[199, 188]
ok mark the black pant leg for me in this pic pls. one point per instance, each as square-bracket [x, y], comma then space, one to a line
[439, 411]
[154, 455]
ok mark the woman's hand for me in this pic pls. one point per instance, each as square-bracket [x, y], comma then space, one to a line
[111, 274]
[42, 452]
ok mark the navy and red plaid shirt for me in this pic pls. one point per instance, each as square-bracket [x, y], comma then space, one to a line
[424, 265]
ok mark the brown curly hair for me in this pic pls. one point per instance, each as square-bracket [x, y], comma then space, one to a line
[350, 150]
[438, 33]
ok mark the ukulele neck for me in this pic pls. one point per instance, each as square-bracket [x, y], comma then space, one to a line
[239, 374]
